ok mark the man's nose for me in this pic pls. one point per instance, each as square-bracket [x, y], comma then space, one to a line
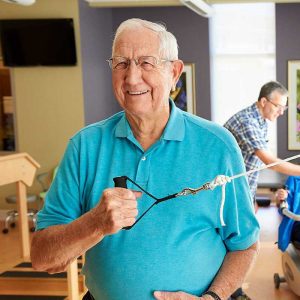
[133, 72]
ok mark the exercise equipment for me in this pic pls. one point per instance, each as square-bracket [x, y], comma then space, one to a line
[290, 258]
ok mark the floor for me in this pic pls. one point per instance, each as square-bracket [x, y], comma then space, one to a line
[259, 283]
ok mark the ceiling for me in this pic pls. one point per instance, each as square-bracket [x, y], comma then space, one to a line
[143, 3]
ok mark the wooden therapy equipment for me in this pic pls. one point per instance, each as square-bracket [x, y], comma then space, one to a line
[20, 169]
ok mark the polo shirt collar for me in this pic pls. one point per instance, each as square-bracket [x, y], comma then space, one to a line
[175, 129]
[122, 128]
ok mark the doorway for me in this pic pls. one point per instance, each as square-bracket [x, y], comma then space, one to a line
[7, 130]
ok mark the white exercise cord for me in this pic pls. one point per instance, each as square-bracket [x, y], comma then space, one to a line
[222, 180]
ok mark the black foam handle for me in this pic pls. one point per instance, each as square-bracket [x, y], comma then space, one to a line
[121, 182]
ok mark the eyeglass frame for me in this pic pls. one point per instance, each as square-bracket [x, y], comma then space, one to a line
[158, 61]
[278, 106]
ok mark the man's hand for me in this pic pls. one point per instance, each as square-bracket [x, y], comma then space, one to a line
[174, 296]
[281, 194]
[116, 209]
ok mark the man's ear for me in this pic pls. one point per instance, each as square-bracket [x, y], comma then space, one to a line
[177, 71]
[263, 101]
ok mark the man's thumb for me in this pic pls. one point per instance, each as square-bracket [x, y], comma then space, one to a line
[159, 295]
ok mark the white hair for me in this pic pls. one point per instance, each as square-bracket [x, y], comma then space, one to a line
[168, 44]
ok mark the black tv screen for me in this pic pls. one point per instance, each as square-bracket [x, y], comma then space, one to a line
[38, 42]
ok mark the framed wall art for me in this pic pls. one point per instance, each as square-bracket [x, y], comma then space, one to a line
[294, 105]
[184, 94]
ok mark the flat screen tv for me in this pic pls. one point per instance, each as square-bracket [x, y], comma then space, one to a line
[38, 42]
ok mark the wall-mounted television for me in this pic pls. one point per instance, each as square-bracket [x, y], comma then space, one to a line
[38, 42]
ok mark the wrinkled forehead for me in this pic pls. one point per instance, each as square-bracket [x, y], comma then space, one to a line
[137, 42]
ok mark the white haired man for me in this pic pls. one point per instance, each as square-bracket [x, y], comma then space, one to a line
[180, 250]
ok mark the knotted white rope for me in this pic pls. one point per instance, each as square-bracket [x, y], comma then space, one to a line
[222, 180]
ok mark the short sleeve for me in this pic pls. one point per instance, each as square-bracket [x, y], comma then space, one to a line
[62, 202]
[242, 228]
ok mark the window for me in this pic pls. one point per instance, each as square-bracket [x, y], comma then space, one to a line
[242, 38]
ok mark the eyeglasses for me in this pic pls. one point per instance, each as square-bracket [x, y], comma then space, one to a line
[147, 63]
[278, 106]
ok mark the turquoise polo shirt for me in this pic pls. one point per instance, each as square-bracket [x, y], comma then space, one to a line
[180, 244]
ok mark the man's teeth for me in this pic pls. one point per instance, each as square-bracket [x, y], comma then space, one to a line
[137, 93]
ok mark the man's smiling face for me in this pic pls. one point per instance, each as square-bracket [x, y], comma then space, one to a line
[142, 91]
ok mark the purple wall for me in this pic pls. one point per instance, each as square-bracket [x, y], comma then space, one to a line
[191, 31]
[97, 26]
[287, 48]
[96, 36]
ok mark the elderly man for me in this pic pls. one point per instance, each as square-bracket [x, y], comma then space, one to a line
[181, 249]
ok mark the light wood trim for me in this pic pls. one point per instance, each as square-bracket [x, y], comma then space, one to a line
[17, 167]
[23, 220]
[82, 260]
[35, 286]
[25, 270]
[20, 155]
[73, 288]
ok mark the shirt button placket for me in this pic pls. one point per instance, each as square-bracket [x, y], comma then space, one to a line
[143, 169]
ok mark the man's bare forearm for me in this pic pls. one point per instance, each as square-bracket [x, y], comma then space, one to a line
[285, 168]
[234, 269]
[53, 248]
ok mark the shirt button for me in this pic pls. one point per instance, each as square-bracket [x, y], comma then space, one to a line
[144, 158]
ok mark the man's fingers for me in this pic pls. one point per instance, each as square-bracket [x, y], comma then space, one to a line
[166, 295]
[159, 295]
[120, 197]
[125, 193]
[128, 222]
[117, 209]
[129, 213]
[137, 194]
[130, 200]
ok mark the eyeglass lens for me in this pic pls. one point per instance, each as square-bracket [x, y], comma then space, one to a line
[122, 63]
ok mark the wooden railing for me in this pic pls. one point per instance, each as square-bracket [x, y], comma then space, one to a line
[20, 169]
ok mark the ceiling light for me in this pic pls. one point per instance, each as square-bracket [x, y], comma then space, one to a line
[21, 2]
[199, 6]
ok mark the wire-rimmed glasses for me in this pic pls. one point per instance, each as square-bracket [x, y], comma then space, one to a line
[278, 106]
[146, 63]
